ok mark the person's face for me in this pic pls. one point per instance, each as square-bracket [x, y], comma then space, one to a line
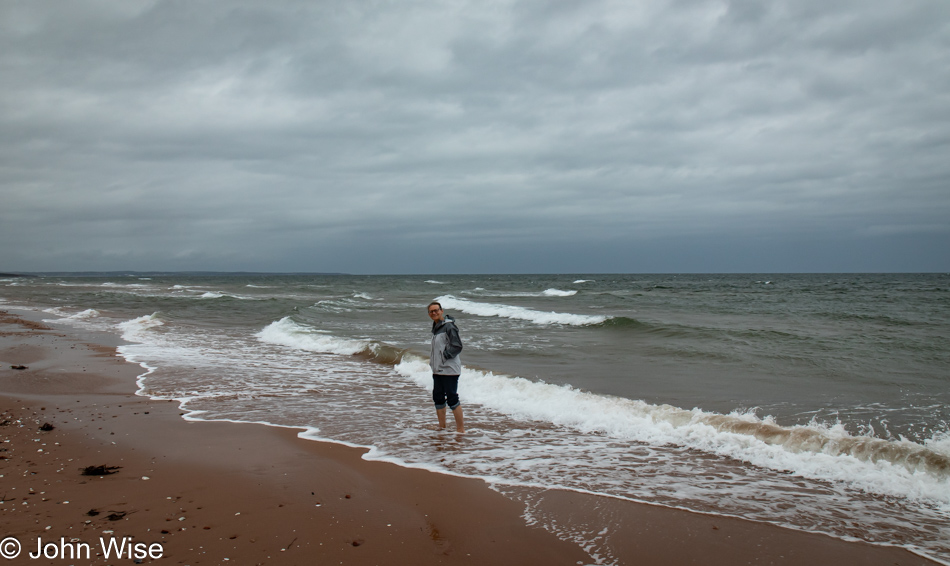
[435, 312]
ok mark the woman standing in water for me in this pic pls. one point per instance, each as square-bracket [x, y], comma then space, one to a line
[446, 365]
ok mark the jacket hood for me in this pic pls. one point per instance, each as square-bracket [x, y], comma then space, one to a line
[438, 324]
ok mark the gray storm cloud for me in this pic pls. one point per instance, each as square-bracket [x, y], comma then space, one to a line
[515, 136]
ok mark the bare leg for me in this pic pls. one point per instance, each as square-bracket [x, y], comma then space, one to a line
[440, 413]
[459, 423]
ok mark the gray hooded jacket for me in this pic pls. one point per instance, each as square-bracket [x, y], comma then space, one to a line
[446, 346]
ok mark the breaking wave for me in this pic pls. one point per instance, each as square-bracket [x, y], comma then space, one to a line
[817, 451]
[135, 330]
[288, 332]
[519, 313]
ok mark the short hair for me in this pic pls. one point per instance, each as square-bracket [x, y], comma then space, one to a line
[434, 303]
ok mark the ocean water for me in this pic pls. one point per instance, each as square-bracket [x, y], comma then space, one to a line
[815, 402]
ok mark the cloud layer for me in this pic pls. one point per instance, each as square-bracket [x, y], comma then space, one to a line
[475, 136]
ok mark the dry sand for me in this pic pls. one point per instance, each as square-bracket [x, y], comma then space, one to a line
[226, 493]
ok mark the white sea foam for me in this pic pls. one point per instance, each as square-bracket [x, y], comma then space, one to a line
[82, 319]
[135, 330]
[191, 288]
[546, 293]
[579, 281]
[940, 442]
[220, 295]
[434, 282]
[287, 332]
[88, 313]
[130, 285]
[345, 304]
[819, 452]
[558, 293]
[520, 313]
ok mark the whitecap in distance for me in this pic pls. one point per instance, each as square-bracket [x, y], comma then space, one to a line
[519, 313]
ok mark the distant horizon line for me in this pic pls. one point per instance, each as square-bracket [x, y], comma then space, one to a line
[131, 273]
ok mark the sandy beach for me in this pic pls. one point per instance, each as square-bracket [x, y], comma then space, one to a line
[189, 492]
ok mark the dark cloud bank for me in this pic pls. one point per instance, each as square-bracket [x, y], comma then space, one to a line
[482, 136]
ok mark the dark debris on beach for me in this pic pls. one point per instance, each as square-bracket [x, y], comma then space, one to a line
[100, 470]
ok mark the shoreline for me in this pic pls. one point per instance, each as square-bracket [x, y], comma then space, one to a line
[218, 491]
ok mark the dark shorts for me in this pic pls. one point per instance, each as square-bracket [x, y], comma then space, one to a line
[445, 391]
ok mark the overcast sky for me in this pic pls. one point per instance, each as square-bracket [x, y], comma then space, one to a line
[482, 136]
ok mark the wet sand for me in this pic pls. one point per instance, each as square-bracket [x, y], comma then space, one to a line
[217, 493]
